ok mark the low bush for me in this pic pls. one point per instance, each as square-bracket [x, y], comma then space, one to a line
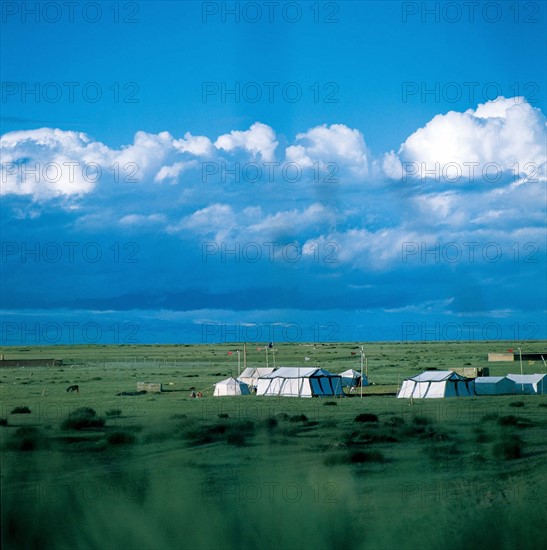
[23, 409]
[299, 418]
[271, 423]
[508, 448]
[359, 457]
[27, 438]
[120, 438]
[82, 419]
[3, 421]
[517, 404]
[511, 420]
[366, 417]
[113, 413]
[395, 421]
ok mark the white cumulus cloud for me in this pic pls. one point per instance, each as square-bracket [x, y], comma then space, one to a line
[337, 144]
[509, 133]
[259, 140]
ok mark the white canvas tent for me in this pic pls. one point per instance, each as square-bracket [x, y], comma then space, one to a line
[251, 375]
[529, 383]
[300, 382]
[352, 379]
[494, 385]
[230, 386]
[437, 384]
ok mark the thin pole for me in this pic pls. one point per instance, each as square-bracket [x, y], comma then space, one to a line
[238, 364]
[244, 355]
[521, 380]
[362, 353]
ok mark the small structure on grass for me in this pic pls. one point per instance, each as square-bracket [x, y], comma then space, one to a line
[149, 387]
[437, 384]
[494, 385]
[529, 383]
[251, 375]
[230, 387]
[352, 379]
[300, 382]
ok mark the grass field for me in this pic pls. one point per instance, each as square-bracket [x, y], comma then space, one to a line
[97, 470]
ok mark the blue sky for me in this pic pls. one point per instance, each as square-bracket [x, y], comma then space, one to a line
[378, 175]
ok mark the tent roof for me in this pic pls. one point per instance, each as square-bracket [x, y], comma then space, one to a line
[251, 372]
[526, 378]
[229, 382]
[296, 372]
[350, 373]
[489, 379]
[437, 376]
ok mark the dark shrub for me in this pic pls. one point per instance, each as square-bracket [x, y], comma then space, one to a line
[421, 420]
[299, 418]
[236, 438]
[120, 438]
[3, 421]
[21, 410]
[395, 421]
[359, 457]
[113, 413]
[511, 420]
[82, 419]
[330, 403]
[517, 404]
[509, 448]
[223, 415]
[366, 417]
[27, 438]
[271, 423]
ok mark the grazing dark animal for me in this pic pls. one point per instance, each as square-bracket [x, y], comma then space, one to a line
[75, 388]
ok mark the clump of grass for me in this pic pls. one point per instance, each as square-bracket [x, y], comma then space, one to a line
[120, 438]
[359, 457]
[299, 418]
[511, 420]
[271, 423]
[517, 404]
[483, 437]
[366, 417]
[23, 409]
[178, 416]
[421, 421]
[82, 419]
[508, 448]
[27, 438]
[395, 421]
[330, 403]
[236, 433]
[223, 415]
[3, 421]
[443, 451]
[113, 413]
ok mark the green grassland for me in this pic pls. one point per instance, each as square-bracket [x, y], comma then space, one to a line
[166, 471]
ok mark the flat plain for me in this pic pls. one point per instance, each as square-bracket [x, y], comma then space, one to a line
[99, 469]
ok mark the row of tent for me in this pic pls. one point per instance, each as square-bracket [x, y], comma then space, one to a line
[290, 382]
[439, 384]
